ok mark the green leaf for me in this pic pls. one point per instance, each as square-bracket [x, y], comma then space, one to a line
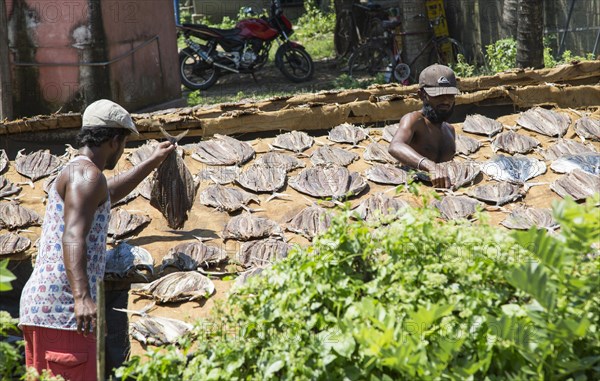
[533, 279]
[273, 368]
[6, 276]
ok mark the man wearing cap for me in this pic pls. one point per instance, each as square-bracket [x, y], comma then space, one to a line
[58, 303]
[423, 138]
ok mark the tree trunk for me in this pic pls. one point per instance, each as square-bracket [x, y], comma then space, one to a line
[6, 111]
[530, 46]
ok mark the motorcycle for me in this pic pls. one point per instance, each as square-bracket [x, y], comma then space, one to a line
[244, 49]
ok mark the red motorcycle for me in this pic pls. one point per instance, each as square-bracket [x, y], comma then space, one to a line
[244, 49]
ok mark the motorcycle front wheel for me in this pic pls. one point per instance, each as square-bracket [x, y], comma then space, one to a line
[295, 63]
[195, 73]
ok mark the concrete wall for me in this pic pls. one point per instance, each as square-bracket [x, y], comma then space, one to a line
[67, 54]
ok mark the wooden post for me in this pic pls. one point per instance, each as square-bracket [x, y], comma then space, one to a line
[100, 331]
[6, 111]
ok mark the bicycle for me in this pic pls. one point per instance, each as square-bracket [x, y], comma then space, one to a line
[355, 25]
[376, 57]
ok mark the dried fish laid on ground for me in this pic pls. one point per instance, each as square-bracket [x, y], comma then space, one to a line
[259, 178]
[12, 243]
[3, 160]
[49, 182]
[389, 131]
[332, 155]
[577, 184]
[387, 174]
[181, 286]
[513, 142]
[123, 223]
[227, 199]
[524, 218]
[295, 141]
[588, 128]
[223, 150]
[516, 169]
[7, 188]
[466, 145]
[246, 227]
[143, 152]
[145, 187]
[174, 188]
[328, 181]
[498, 193]
[310, 221]
[481, 125]
[347, 133]
[461, 173]
[243, 278]
[564, 147]
[379, 153]
[380, 205]
[545, 122]
[189, 256]
[219, 175]
[155, 330]
[455, 207]
[37, 164]
[280, 160]
[14, 216]
[127, 260]
[589, 162]
[130, 196]
[262, 252]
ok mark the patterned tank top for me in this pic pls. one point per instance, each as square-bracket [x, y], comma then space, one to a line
[47, 299]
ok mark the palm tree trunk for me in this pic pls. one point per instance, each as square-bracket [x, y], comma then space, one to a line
[530, 46]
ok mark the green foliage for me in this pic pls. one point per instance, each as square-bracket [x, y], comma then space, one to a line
[5, 276]
[314, 29]
[11, 361]
[462, 68]
[501, 55]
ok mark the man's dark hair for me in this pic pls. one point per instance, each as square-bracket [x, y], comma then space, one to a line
[94, 137]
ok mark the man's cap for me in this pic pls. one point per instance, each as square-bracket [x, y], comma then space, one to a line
[438, 80]
[105, 113]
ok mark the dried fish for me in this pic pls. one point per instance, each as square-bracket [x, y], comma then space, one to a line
[126, 260]
[387, 174]
[12, 243]
[219, 175]
[380, 205]
[123, 223]
[155, 330]
[461, 173]
[145, 187]
[242, 279]
[517, 169]
[246, 227]
[455, 207]
[37, 164]
[177, 287]
[378, 152]
[347, 133]
[3, 160]
[262, 252]
[14, 216]
[565, 147]
[130, 196]
[227, 199]
[524, 218]
[259, 178]
[481, 125]
[589, 162]
[328, 181]
[49, 182]
[329, 155]
[280, 160]
[223, 150]
[588, 128]
[295, 141]
[310, 222]
[513, 142]
[190, 256]
[142, 153]
[545, 122]
[466, 145]
[577, 184]
[498, 193]
[174, 188]
[7, 188]
[389, 131]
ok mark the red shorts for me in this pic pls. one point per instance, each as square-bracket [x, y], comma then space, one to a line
[65, 353]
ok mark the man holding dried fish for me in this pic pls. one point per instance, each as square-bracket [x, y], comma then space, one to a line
[58, 303]
[424, 139]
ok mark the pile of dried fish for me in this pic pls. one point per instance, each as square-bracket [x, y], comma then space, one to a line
[347, 133]
[329, 155]
[7, 188]
[246, 227]
[126, 260]
[481, 125]
[565, 147]
[223, 150]
[328, 181]
[190, 256]
[174, 188]
[3, 160]
[389, 131]
[577, 184]
[380, 205]
[123, 223]
[280, 160]
[14, 216]
[259, 178]
[588, 128]
[513, 142]
[37, 164]
[262, 252]
[310, 221]
[11, 243]
[219, 175]
[466, 145]
[379, 153]
[517, 169]
[155, 330]
[142, 153]
[498, 193]
[589, 162]
[295, 141]
[455, 207]
[461, 173]
[227, 199]
[545, 122]
[177, 287]
[524, 218]
[387, 174]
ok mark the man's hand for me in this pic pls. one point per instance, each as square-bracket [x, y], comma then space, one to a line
[439, 176]
[85, 314]
[162, 150]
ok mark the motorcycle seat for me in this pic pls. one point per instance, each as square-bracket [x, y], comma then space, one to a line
[202, 30]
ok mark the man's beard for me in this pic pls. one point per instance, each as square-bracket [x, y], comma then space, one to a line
[436, 116]
[112, 161]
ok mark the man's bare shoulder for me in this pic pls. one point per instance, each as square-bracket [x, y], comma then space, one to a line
[82, 175]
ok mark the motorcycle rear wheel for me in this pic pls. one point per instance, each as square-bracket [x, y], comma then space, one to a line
[294, 63]
[195, 73]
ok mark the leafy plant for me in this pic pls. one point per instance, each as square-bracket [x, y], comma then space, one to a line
[501, 55]
[11, 361]
[6, 276]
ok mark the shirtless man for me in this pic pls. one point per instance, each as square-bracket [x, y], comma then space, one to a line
[424, 139]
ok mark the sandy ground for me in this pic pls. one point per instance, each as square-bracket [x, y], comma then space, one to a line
[206, 222]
